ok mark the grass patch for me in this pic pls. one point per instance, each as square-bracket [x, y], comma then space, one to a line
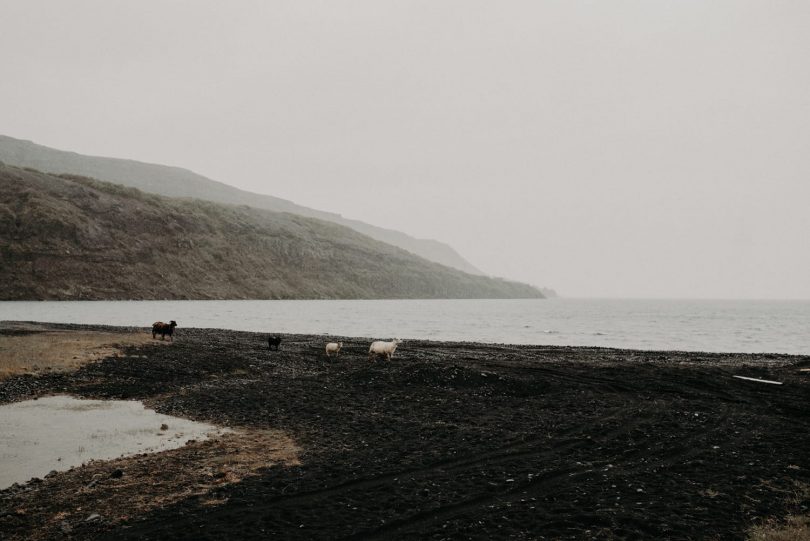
[34, 349]
[793, 528]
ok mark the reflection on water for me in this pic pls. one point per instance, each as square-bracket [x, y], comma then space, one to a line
[691, 325]
[57, 432]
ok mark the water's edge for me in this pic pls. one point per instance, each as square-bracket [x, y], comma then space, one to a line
[698, 326]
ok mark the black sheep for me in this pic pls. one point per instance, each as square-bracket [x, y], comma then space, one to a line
[163, 329]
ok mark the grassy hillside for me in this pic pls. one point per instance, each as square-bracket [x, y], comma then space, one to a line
[178, 182]
[70, 237]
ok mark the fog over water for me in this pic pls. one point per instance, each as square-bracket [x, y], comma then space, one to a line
[621, 149]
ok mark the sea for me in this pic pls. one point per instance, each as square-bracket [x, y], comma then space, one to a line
[750, 326]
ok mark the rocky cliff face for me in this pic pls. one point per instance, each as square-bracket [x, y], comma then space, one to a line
[178, 182]
[77, 238]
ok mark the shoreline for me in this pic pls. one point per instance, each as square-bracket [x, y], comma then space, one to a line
[360, 339]
[450, 439]
[699, 326]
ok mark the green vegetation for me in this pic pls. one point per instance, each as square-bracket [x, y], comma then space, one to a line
[70, 237]
[178, 182]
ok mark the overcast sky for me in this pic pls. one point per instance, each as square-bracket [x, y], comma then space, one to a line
[615, 148]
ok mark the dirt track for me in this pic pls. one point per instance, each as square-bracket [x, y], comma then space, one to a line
[457, 440]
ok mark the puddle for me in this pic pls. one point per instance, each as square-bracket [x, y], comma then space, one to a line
[58, 432]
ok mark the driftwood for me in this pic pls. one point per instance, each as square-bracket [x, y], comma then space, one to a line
[760, 380]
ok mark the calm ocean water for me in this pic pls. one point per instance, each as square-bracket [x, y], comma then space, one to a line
[690, 325]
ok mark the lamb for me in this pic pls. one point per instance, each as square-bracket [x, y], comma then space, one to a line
[158, 327]
[383, 348]
[273, 341]
[333, 347]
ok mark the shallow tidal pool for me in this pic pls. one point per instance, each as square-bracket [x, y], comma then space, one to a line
[59, 432]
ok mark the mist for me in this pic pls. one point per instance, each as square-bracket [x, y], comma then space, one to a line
[621, 149]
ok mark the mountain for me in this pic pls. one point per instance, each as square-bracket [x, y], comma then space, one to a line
[70, 237]
[548, 293]
[177, 182]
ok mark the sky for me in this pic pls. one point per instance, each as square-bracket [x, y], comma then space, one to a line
[617, 148]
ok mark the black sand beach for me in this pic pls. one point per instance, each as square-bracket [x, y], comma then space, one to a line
[448, 441]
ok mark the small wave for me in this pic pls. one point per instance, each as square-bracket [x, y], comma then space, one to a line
[600, 334]
[549, 331]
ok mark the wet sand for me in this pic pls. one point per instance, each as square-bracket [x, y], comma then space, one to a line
[450, 440]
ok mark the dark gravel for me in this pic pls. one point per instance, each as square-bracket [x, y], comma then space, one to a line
[463, 440]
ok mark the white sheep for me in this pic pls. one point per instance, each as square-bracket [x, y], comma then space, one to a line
[383, 348]
[333, 347]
